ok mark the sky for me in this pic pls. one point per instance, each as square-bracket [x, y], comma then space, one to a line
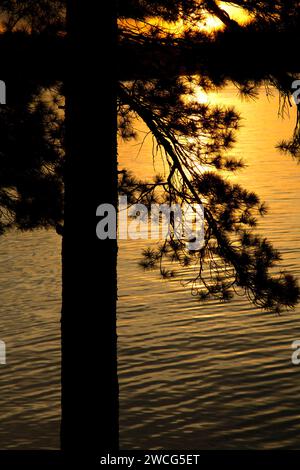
[210, 24]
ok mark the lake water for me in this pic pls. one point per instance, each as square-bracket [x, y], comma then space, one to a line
[192, 376]
[30, 280]
[213, 376]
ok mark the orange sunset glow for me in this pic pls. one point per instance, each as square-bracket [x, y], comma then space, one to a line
[209, 23]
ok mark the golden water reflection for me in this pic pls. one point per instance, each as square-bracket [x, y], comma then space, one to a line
[213, 375]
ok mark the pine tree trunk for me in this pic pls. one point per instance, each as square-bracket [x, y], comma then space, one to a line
[89, 375]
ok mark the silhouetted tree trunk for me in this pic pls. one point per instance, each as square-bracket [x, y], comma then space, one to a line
[89, 375]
